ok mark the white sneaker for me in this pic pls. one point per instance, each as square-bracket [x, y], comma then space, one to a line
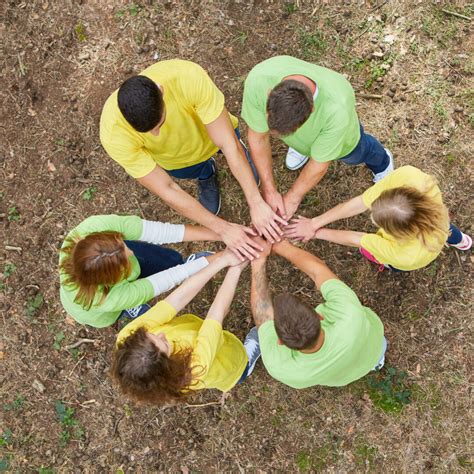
[387, 170]
[252, 347]
[294, 160]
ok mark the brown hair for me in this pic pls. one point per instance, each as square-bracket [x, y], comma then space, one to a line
[406, 213]
[289, 105]
[147, 375]
[297, 325]
[96, 262]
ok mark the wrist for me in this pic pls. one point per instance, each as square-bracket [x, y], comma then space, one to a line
[259, 262]
[294, 196]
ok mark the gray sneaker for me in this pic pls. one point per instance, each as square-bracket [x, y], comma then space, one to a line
[208, 191]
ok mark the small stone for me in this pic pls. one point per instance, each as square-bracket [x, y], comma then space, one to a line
[377, 54]
[458, 108]
[84, 56]
[37, 385]
[390, 93]
[231, 23]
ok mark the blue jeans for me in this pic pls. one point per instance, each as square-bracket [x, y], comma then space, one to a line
[368, 151]
[455, 235]
[206, 169]
[153, 258]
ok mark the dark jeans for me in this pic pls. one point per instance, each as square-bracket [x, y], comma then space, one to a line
[206, 169]
[153, 258]
[368, 151]
[455, 235]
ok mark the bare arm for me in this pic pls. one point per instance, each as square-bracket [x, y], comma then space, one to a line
[260, 296]
[309, 177]
[195, 233]
[180, 297]
[305, 229]
[308, 263]
[221, 304]
[265, 220]
[261, 151]
[343, 237]
[236, 237]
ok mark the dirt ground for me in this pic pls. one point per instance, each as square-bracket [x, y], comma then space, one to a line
[411, 65]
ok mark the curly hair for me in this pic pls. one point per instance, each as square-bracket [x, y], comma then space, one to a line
[147, 375]
[94, 263]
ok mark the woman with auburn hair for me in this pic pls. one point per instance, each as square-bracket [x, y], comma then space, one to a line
[111, 266]
[160, 358]
[407, 207]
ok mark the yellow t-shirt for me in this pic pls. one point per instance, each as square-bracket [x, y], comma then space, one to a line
[192, 101]
[403, 254]
[219, 357]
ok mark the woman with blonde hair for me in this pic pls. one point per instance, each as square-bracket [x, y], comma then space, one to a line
[407, 207]
[111, 266]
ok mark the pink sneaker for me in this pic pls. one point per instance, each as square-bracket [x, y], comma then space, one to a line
[465, 244]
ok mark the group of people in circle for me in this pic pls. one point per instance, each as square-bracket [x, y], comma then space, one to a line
[170, 121]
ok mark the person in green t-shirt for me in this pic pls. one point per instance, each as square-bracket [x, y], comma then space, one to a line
[312, 109]
[335, 344]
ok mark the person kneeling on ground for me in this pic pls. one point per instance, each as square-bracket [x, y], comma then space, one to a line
[111, 266]
[160, 358]
[413, 222]
[335, 344]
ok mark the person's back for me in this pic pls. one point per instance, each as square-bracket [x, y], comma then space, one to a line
[334, 345]
[353, 343]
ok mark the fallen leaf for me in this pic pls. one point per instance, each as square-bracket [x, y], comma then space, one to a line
[70, 321]
[51, 167]
[31, 112]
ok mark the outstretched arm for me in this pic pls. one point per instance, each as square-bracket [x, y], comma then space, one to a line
[221, 304]
[180, 297]
[305, 229]
[308, 263]
[237, 237]
[343, 237]
[309, 177]
[260, 296]
[265, 220]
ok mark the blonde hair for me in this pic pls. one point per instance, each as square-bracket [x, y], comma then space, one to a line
[407, 213]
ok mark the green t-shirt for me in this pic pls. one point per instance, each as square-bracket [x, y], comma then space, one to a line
[332, 130]
[125, 294]
[352, 346]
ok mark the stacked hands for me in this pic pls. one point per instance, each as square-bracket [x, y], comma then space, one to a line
[273, 226]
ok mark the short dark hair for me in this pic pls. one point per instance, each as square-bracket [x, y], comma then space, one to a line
[141, 102]
[297, 324]
[289, 105]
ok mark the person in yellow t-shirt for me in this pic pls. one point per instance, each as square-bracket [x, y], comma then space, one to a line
[160, 358]
[407, 207]
[169, 121]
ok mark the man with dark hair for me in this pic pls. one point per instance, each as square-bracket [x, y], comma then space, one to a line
[335, 344]
[170, 121]
[312, 109]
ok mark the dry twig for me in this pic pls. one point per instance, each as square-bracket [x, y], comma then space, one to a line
[80, 342]
[464, 17]
[369, 96]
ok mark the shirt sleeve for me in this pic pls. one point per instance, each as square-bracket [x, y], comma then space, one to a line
[128, 150]
[167, 279]
[161, 232]
[155, 317]
[338, 298]
[254, 107]
[207, 344]
[200, 92]
[382, 249]
[330, 142]
[127, 294]
[129, 226]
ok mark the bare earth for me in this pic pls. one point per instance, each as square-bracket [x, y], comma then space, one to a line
[411, 65]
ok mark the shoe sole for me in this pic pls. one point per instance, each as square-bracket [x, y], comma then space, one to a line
[299, 166]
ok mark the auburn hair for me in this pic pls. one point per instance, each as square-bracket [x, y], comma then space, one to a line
[94, 263]
[289, 105]
[297, 324]
[147, 375]
[407, 213]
